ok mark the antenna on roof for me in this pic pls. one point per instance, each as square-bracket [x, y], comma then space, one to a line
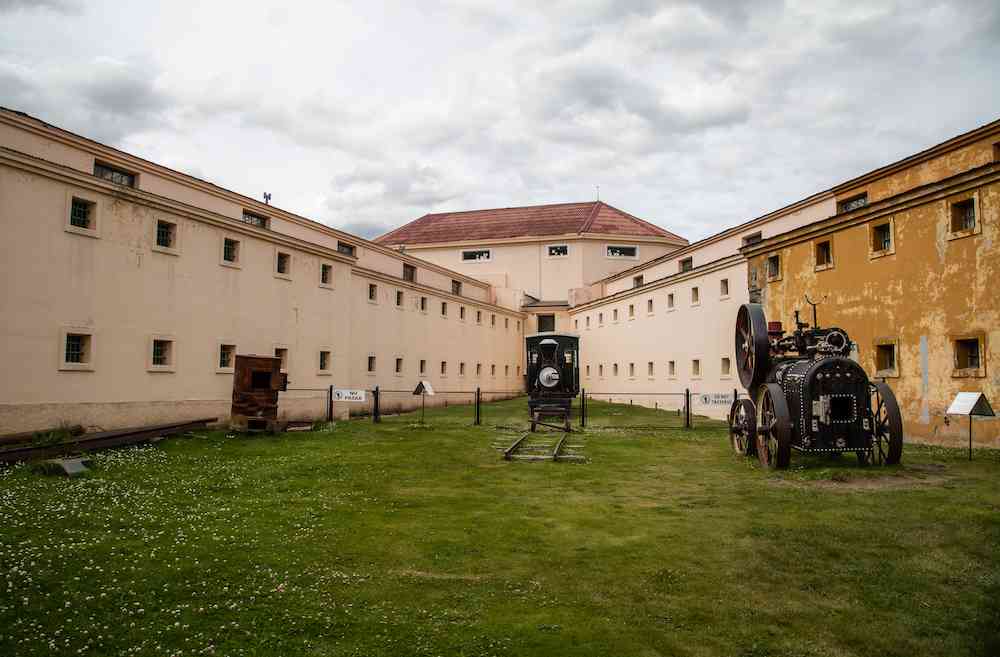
[598, 192]
[267, 198]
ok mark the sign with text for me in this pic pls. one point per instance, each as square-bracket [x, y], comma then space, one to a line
[349, 395]
[715, 398]
[970, 403]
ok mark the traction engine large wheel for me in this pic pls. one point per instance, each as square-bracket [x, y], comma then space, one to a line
[743, 427]
[887, 426]
[753, 349]
[774, 428]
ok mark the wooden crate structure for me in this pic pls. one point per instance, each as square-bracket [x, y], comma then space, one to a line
[256, 383]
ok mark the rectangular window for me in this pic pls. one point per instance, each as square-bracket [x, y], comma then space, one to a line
[347, 249]
[586, 321]
[600, 319]
[399, 298]
[752, 238]
[324, 361]
[444, 308]
[631, 370]
[631, 310]
[963, 216]
[613, 251]
[162, 353]
[506, 323]
[824, 254]
[558, 250]
[600, 370]
[967, 354]
[423, 304]
[409, 273]
[695, 296]
[695, 367]
[518, 326]
[649, 368]
[649, 305]
[882, 237]
[371, 363]
[479, 369]
[671, 368]
[423, 366]
[588, 370]
[686, 264]
[852, 203]
[461, 312]
[885, 359]
[493, 320]
[614, 315]
[282, 354]
[399, 366]
[81, 214]
[670, 301]
[461, 369]
[230, 251]
[325, 273]
[724, 287]
[77, 348]
[576, 325]
[283, 264]
[637, 281]
[254, 219]
[614, 369]
[996, 152]
[546, 323]
[114, 174]
[372, 292]
[456, 288]
[227, 352]
[725, 366]
[166, 234]
[773, 267]
[477, 255]
[479, 317]
[506, 370]
[444, 367]
[493, 369]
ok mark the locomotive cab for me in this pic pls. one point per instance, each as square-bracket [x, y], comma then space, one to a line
[553, 375]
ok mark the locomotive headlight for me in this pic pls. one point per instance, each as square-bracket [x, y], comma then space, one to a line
[549, 377]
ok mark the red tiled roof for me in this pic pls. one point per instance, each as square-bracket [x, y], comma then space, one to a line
[531, 221]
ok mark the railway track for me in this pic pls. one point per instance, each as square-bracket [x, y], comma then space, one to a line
[539, 446]
[100, 440]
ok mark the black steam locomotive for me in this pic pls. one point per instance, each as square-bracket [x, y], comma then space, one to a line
[807, 394]
[553, 376]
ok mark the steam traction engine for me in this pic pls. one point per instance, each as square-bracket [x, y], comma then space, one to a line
[553, 376]
[807, 394]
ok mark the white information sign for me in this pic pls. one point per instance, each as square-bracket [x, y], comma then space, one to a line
[970, 403]
[349, 395]
[424, 388]
[716, 398]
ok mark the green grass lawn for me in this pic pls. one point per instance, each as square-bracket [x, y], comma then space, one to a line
[397, 539]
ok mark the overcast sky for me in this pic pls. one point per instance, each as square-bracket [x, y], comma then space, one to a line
[366, 115]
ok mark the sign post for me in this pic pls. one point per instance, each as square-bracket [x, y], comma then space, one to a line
[970, 403]
[423, 389]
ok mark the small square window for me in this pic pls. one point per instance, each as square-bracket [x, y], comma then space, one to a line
[399, 298]
[227, 356]
[695, 296]
[423, 304]
[685, 264]
[230, 251]
[162, 355]
[456, 288]
[725, 366]
[696, 367]
[963, 216]
[724, 288]
[283, 264]
[824, 254]
[347, 249]
[81, 214]
[671, 368]
[882, 237]
[546, 323]
[324, 361]
[281, 353]
[325, 274]
[885, 359]
[637, 281]
[254, 219]
[409, 273]
[558, 250]
[371, 364]
[166, 234]
[423, 366]
[372, 292]
[399, 366]
[968, 356]
[773, 267]
[670, 301]
[77, 348]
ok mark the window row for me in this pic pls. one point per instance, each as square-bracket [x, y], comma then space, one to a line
[421, 303]
[632, 308]
[399, 367]
[695, 371]
[968, 356]
[553, 251]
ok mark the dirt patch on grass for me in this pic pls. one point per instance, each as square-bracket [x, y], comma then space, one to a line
[840, 481]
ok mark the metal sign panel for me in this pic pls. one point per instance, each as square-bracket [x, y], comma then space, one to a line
[349, 395]
[715, 398]
[424, 388]
[970, 403]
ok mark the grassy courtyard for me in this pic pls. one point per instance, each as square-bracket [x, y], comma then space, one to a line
[398, 539]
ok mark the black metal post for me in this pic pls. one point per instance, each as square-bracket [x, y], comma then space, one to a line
[583, 407]
[970, 436]
[423, 406]
[478, 397]
[329, 404]
[376, 410]
[687, 408]
[736, 395]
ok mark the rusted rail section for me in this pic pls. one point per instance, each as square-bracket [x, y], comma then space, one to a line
[508, 453]
[102, 440]
[559, 446]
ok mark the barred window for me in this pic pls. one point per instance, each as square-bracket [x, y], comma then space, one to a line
[254, 219]
[325, 273]
[230, 250]
[80, 214]
[613, 251]
[112, 174]
[963, 215]
[409, 273]
[77, 346]
[346, 249]
[166, 234]
[687, 264]
[162, 352]
[853, 203]
[226, 352]
[324, 361]
[456, 288]
[371, 363]
[284, 263]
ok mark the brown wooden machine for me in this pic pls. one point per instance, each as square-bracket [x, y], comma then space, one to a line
[256, 384]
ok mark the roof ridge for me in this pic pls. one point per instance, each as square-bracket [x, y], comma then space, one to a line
[642, 222]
